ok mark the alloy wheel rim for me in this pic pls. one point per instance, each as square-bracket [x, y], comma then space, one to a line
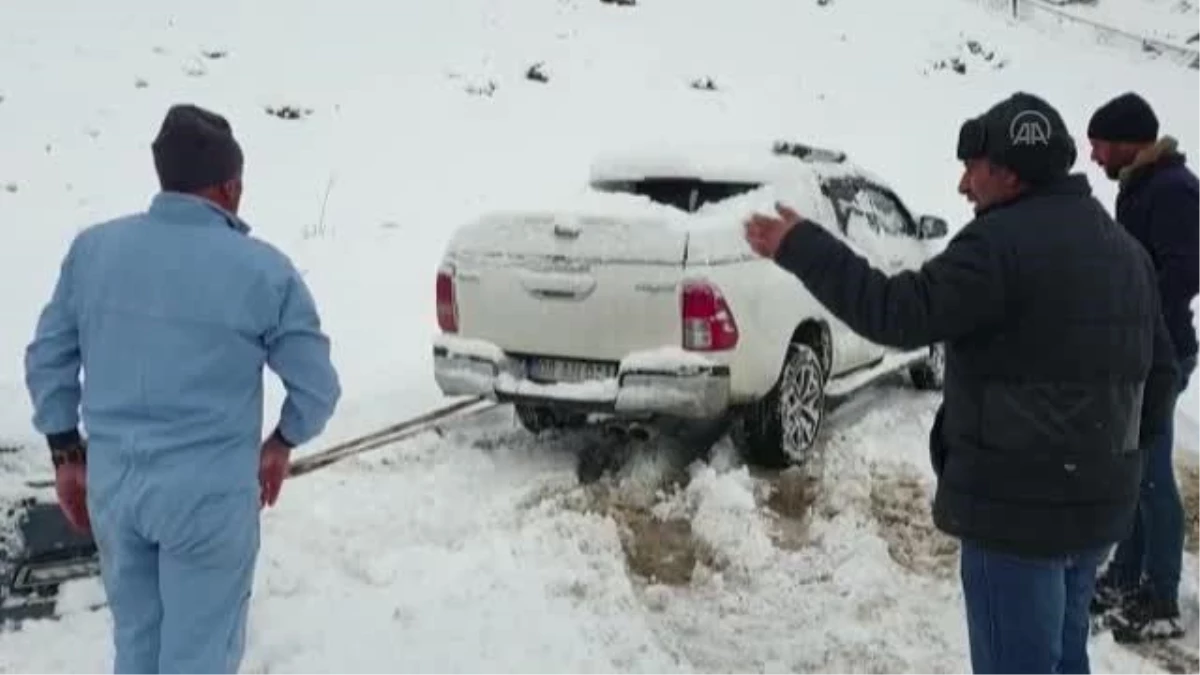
[800, 409]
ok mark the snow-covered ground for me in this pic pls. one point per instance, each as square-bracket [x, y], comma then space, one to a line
[476, 551]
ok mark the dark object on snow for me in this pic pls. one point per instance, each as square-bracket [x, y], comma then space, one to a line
[215, 54]
[808, 152]
[622, 3]
[603, 455]
[978, 49]
[486, 89]
[288, 112]
[536, 74]
[704, 84]
[50, 553]
[974, 51]
[953, 63]
[195, 149]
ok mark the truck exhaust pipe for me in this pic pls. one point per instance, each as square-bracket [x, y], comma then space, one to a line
[627, 431]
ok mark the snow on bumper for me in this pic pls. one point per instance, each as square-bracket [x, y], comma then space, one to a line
[666, 381]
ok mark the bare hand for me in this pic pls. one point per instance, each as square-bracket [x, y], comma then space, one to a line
[272, 469]
[70, 484]
[765, 233]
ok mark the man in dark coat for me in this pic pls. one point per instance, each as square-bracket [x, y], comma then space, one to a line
[1159, 204]
[1056, 357]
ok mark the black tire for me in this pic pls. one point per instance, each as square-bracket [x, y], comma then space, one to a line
[537, 419]
[783, 427]
[930, 374]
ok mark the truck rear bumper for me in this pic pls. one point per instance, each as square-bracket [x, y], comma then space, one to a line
[645, 383]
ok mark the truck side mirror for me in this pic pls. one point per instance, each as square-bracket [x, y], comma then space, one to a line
[932, 227]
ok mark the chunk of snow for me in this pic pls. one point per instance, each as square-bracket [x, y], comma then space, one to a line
[470, 347]
[467, 377]
[729, 215]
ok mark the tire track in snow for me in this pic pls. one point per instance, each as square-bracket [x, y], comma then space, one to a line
[836, 599]
[477, 549]
[834, 567]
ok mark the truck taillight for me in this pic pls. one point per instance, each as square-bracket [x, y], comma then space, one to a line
[708, 324]
[447, 306]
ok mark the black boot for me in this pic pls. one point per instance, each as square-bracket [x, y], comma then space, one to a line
[1147, 618]
[1110, 595]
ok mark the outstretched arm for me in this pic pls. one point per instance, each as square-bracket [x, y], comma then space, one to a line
[299, 352]
[953, 294]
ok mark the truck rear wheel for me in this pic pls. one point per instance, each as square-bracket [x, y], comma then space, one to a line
[930, 373]
[782, 428]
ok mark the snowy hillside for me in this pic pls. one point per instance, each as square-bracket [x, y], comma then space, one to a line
[371, 129]
[1171, 21]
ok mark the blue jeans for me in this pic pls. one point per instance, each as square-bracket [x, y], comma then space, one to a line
[1028, 615]
[1155, 546]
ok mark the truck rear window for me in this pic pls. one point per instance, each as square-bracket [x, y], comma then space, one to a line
[685, 194]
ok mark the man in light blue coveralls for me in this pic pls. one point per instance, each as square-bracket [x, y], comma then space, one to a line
[171, 314]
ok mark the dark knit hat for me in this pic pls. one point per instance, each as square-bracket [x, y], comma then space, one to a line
[1126, 118]
[195, 149]
[1023, 133]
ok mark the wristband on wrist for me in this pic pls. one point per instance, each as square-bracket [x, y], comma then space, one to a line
[67, 447]
[278, 436]
[76, 455]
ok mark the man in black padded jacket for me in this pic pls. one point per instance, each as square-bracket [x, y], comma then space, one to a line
[1057, 358]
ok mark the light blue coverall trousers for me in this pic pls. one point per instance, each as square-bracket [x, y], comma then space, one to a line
[171, 315]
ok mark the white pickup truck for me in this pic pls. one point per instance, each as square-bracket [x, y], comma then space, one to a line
[639, 299]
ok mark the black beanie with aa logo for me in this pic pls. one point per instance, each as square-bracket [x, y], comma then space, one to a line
[1023, 133]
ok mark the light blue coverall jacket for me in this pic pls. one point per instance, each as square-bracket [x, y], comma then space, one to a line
[171, 315]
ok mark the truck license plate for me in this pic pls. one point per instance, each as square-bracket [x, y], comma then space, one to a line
[565, 370]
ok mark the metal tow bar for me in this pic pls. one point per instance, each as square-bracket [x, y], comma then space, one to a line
[40, 551]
